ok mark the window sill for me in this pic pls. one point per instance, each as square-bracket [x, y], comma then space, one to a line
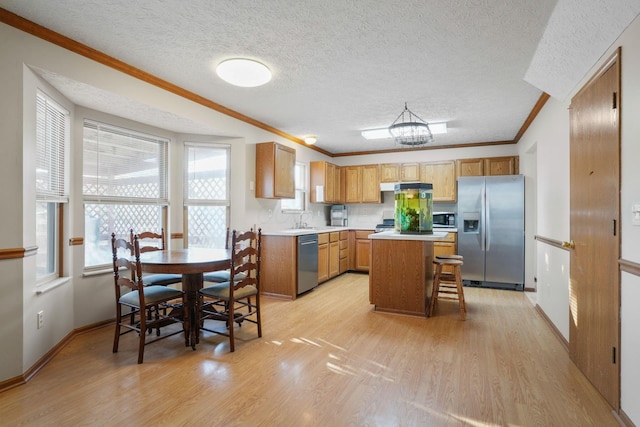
[46, 287]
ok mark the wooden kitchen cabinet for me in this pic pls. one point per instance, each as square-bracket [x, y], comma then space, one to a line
[278, 270]
[275, 176]
[334, 254]
[443, 177]
[470, 167]
[446, 246]
[323, 257]
[410, 172]
[389, 172]
[502, 165]
[361, 250]
[344, 251]
[488, 166]
[362, 184]
[327, 176]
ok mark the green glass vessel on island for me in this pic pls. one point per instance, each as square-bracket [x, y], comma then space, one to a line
[414, 208]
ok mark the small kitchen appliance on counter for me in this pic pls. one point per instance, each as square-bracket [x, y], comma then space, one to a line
[339, 216]
[444, 220]
[414, 208]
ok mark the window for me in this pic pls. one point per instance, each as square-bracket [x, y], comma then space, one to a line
[52, 134]
[124, 185]
[206, 195]
[297, 204]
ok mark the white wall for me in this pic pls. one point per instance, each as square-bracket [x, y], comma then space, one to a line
[550, 135]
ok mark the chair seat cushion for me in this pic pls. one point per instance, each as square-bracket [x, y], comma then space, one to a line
[161, 279]
[221, 290]
[152, 294]
[217, 276]
[221, 276]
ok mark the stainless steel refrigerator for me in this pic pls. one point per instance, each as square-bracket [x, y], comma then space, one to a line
[491, 230]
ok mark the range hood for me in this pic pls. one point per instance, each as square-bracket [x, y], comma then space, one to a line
[388, 186]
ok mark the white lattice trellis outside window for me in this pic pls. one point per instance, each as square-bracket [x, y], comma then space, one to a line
[206, 193]
[124, 186]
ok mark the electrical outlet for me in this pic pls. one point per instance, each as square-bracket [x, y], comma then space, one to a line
[40, 319]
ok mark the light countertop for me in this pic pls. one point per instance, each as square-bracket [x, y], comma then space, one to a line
[393, 235]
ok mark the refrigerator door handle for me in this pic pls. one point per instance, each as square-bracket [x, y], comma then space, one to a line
[487, 220]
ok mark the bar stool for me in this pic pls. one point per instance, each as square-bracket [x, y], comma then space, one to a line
[448, 285]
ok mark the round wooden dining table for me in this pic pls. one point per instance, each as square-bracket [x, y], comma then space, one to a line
[191, 264]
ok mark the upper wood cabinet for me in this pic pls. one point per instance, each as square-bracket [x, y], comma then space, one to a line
[325, 182]
[410, 172]
[389, 172]
[502, 165]
[362, 184]
[443, 177]
[508, 165]
[470, 167]
[400, 172]
[275, 176]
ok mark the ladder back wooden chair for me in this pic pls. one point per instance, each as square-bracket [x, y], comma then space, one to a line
[222, 275]
[231, 301]
[152, 241]
[147, 305]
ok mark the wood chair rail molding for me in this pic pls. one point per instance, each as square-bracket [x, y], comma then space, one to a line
[550, 241]
[12, 253]
[629, 267]
[75, 241]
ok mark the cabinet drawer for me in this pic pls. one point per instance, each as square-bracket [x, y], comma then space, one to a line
[344, 235]
[344, 253]
[334, 237]
[451, 237]
[344, 244]
[363, 234]
[323, 238]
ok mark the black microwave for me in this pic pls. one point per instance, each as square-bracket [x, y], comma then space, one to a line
[444, 219]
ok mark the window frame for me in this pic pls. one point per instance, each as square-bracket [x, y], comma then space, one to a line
[301, 180]
[189, 202]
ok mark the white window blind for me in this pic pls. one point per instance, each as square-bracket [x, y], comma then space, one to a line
[52, 128]
[123, 165]
[124, 185]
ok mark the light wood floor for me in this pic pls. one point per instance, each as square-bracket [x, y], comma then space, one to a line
[326, 359]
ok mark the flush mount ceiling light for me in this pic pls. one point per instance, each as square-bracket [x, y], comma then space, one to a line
[383, 133]
[310, 140]
[409, 129]
[243, 72]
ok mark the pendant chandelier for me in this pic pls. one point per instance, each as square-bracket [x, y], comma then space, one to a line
[409, 129]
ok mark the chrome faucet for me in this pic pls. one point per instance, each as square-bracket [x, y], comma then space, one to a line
[301, 224]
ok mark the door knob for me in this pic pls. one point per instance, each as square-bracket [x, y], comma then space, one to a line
[569, 245]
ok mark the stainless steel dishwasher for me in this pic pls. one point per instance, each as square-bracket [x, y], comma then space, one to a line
[307, 262]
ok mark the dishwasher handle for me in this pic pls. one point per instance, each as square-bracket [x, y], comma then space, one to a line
[308, 242]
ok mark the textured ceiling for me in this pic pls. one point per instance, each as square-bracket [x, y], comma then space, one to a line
[339, 67]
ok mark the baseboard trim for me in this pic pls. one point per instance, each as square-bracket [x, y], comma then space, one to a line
[42, 362]
[553, 328]
[624, 418]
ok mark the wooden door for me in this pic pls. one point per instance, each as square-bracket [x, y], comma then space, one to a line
[594, 330]
[323, 262]
[329, 186]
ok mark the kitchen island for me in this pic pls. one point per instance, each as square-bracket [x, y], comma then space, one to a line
[401, 272]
